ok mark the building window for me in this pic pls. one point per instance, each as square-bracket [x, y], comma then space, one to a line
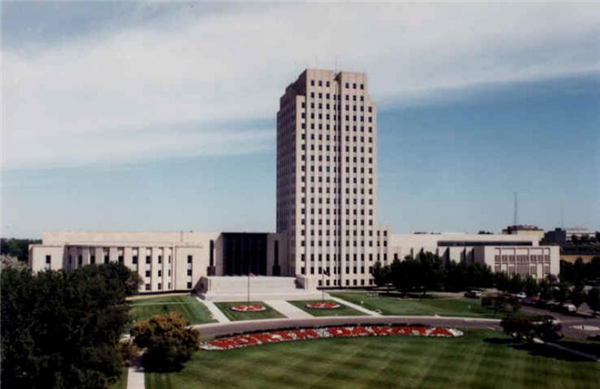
[148, 259]
[93, 259]
[48, 259]
[121, 259]
[106, 259]
[189, 285]
[189, 259]
[189, 272]
[147, 286]
[160, 273]
[134, 260]
[159, 286]
[147, 273]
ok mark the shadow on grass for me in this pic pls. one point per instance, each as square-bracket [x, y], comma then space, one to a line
[541, 350]
[588, 348]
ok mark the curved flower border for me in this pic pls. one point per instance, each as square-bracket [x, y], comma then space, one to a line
[320, 305]
[259, 338]
[249, 308]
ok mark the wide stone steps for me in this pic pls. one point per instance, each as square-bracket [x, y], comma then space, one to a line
[235, 288]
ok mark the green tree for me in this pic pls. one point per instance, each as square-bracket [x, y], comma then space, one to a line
[18, 248]
[60, 329]
[561, 293]
[545, 289]
[577, 296]
[501, 281]
[529, 328]
[167, 342]
[406, 274]
[593, 299]
[381, 274]
[432, 272]
[531, 286]
[457, 277]
[515, 284]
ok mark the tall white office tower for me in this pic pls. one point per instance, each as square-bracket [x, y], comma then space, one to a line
[327, 179]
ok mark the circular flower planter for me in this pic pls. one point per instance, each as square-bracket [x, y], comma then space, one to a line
[277, 336]
[320, 305]
[248, 308]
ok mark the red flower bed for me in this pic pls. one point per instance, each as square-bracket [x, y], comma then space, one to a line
[321, 305]
[249, 308]
[259, 338]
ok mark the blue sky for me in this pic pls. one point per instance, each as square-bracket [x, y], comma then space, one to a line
[146, 116]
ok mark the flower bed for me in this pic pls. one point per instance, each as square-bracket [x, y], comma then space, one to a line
[249, 308]
[255, 339]
[321, 305]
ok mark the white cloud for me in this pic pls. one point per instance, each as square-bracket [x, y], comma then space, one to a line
[94, 98]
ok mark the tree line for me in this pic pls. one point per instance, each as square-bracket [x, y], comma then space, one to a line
[18, 248]
[429, 273]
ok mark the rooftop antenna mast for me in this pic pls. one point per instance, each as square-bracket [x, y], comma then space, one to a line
[516, 214]
[562, 218]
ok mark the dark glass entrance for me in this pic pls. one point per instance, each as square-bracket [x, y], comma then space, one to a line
[244, 252]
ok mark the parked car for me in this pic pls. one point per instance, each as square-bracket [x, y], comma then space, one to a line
[568, 308]
[474, 294]
[521, 295]
[554, 305]
[528, 302]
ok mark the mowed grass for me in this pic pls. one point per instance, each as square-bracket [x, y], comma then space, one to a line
[188, 306]
[481, 359]
[343, 310]
[428, 306]
[270, 313]
[122, 382]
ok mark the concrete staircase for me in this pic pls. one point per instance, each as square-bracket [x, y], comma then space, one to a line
[235, 288]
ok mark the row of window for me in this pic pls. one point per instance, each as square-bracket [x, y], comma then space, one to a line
[361, 118]
[159, 286]
[334, 95]
[334, 106]
[349, 257]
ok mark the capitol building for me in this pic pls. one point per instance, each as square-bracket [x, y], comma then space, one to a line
[327, 233]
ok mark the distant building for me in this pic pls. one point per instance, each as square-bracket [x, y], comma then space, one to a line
[524, 230]
[512, 254]
[562, 235]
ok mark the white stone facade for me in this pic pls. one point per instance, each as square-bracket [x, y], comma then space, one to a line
[166, 261]
[327, 178]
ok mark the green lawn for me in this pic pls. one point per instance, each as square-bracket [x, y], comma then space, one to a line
[122, 382]
[428, 306]
[270, 313]
[343, 310]
[481, 359]
[188, 306]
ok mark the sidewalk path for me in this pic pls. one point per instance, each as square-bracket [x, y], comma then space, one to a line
[356, 307]
[239, 327]
[288, 309]
[216, 312]
[135, 375]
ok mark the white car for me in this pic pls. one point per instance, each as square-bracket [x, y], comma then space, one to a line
[570, 308]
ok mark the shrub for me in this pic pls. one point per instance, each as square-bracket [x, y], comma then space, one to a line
[127, 351]
[528, 328]
[167, 342]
